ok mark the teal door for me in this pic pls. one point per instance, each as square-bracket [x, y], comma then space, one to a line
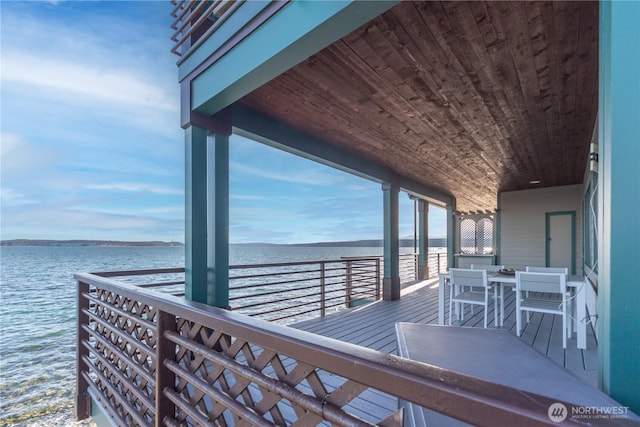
[561, 240]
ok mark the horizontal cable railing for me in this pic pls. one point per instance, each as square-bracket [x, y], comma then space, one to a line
[196, 19]
[148, 359]
[292, 291]
[408, 267]
[282, 292]
[437, 263]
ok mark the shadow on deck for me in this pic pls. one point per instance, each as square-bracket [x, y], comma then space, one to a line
[373, 326]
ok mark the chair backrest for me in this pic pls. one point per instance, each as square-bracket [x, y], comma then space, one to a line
[487, 267]
[541, 282]
[561, 270]
[468, 277]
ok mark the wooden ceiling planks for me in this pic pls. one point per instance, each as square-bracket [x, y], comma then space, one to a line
[470, 98]
[487, 135]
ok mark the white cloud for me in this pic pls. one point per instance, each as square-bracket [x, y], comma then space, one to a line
[10, 143]
[88, 81]
[132, 187]
[90, 122]
[20, 157]
[11, 197]
[247, 197]
[163, 210]
[88, 224]
[103, 63]
[310, 177]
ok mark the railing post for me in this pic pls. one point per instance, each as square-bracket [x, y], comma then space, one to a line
[165, 350]
[433, 259]
[323, 302]
[83, 400]
[349, 287]
[377, 278]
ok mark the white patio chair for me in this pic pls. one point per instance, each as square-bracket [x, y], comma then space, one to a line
[553, 284]
[478, 293]
[559, 270]
[492, 269]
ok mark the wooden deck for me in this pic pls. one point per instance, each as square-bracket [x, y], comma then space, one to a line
[373, 326]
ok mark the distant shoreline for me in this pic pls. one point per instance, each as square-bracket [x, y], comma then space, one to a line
[374, 243]
[101, 243]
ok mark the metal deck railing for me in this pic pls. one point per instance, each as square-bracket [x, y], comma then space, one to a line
[292, 291]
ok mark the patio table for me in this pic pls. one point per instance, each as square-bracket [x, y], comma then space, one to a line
[575, 283]
[498, 356]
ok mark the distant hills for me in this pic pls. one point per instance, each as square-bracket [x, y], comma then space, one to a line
[374, 243]
[36, 242]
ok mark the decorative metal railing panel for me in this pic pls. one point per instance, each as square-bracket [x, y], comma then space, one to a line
[121, 351]
[209, 376]
[230, 375]
[151, 359]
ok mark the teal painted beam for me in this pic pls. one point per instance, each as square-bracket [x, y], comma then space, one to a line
[619, 202]
[391, 281]
[196, 214]
[258, 127]
[218, 220]
[297, 31]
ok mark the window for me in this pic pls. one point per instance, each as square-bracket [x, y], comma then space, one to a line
[476, 234]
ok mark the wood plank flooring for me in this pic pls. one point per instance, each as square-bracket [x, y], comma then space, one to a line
[373, 326]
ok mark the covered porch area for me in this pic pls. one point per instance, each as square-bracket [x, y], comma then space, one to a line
[490, 110]
[374, 326]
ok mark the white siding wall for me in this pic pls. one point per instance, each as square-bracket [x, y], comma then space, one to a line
[522, 223]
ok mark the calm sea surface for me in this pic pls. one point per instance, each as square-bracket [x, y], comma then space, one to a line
[37, 316]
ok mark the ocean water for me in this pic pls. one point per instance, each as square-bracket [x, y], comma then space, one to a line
[37, 316]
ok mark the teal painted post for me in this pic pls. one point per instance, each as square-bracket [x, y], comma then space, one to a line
[498, 244]
[391, 280]
[423, 240]
[451, 236]
[619, 202]
[218, 220]
[196, 214]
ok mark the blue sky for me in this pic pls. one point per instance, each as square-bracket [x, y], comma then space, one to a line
[92, 147]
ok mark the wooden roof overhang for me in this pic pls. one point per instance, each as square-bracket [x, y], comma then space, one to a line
[467, 98]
